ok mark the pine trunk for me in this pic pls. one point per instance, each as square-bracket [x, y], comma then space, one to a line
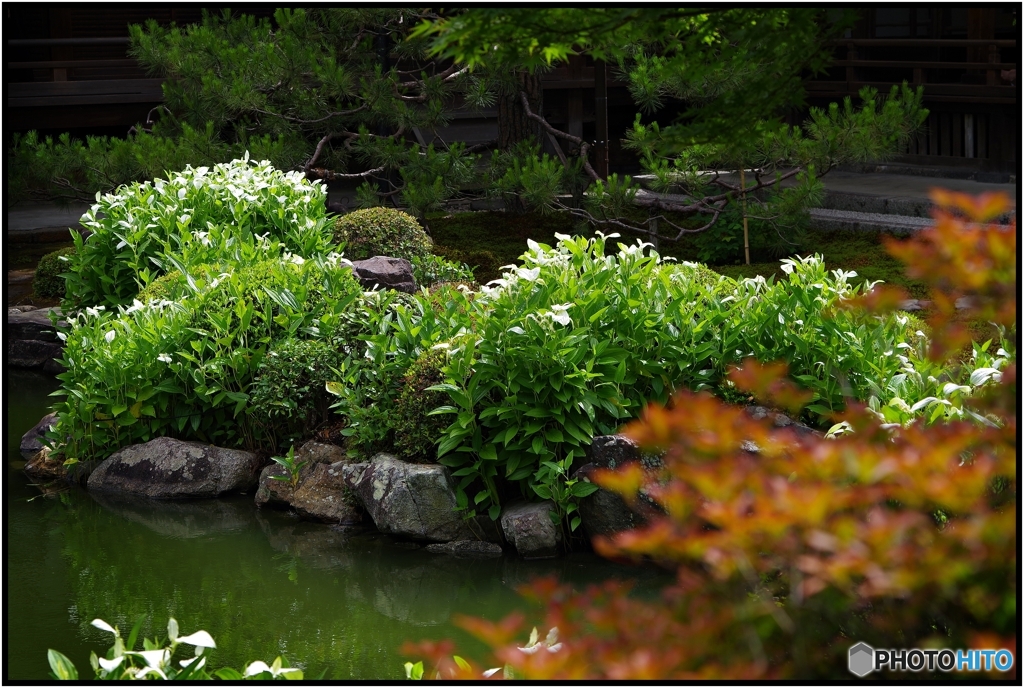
[513, 124]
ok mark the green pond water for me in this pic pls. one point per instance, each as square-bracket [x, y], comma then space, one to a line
[261, 582]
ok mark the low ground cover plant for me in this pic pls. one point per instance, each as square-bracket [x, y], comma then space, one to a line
[900, 536]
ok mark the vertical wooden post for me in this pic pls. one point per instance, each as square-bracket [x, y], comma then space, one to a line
[60, 27]
[851, 72]
[992, 75]
[601, 118]
[743, 199]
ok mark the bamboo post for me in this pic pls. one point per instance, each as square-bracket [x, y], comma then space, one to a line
[743, 200]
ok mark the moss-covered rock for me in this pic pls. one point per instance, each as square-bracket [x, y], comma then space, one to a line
[381, 232]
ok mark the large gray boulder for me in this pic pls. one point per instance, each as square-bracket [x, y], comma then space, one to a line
[605, 512]
[324, 496]
[411, 500]
[34, 324]
[166, 468]
[383, 272]
[35, 353]
[31, 441]
[320, 493]
[529, 528]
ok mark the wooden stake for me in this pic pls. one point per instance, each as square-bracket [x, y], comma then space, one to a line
[746, 233]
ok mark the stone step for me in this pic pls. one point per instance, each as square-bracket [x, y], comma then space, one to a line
[852, 220]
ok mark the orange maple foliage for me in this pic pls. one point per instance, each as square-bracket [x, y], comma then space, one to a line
[900, 538]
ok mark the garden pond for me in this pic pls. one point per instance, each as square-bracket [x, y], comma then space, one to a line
[261, 582]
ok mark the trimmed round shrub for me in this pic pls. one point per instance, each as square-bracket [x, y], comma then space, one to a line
[416, 433]
[381, 232]
[48, 283]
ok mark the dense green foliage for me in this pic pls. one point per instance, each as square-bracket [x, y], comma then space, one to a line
[48, 282]
[416, 431]
[890, 533]
[183, 367]
[381, 232]
[199, 215]
[243, 342]
[726, 57]
[288, 396]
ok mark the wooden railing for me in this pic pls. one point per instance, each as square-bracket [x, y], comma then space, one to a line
[994, 88]
[64, 91]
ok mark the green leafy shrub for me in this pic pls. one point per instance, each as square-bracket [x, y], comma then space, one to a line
[574, 342]
[433, 269]
[722, 244]
[381, 232]
[184, 368]
[197, 216]
[566, 347]
[288, 397]
[48, 282]
[417, 432]
[166, 287]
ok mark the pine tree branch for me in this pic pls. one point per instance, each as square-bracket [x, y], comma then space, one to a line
[584, 147]
[297, 120]
[331, 175]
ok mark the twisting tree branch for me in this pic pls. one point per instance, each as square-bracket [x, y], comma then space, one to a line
[297, 120]
[331, 175]
[583, 145]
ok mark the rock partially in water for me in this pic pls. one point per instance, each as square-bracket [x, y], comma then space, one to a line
[31, 441]
[529, 528]
[41, 468]
[34, 353]
[320, 494]
[33, 324]
[410, 500]
[166, 468]
[466, 548]
[604, 512]
[324, 496]
[273, 491]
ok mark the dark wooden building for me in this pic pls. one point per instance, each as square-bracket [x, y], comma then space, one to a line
[965, 57]
[66, 69]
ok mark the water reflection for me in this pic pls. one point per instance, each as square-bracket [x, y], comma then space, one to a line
[180, 520]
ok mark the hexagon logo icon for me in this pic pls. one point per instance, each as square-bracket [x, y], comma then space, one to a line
[861, 659]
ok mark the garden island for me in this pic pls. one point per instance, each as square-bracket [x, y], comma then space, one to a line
[544, 343]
